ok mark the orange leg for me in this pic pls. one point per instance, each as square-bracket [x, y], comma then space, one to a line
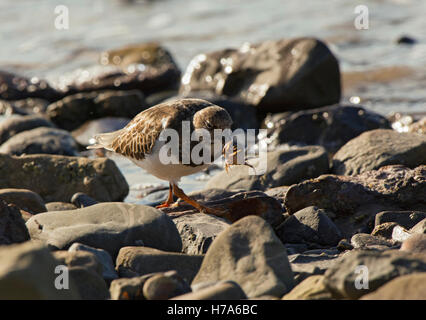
[179, 193]
[169, 200]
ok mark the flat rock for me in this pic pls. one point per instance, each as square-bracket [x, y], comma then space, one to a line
[222, 290]
[330, 127]
[406, 287]
[382, 267]
[274, 76]
[312, 288]
[57, 178]
[198, 231]
[144, 260]
[12, 225]
[16, 124]
[108, 226]
[311, 226]
[27, 272]
[406, 219]
[249, 253]
[284, 167]
[377, 148]
[24, 199]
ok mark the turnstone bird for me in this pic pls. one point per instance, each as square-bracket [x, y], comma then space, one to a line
[139, 141]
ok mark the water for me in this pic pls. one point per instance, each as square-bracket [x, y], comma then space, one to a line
[377, 72]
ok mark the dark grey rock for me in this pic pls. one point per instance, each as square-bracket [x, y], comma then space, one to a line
[14, 125]
[406, 219]
[12, 225]
[24, 199]
[81, 200]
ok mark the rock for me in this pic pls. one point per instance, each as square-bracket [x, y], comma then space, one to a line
[86, 271]
[363, 240]
[382, 267]
[144, 260]
[128, 288]
[249, 253]
[84, 134]
[57, 178]
[415, 243]
[344, 245]
[236, 205]
[165, 286]
[14, 125]
[312, 288]
[104, 258]
[60, 206]
[418, 126]
[377, 148]
[12, 225]
[284, 167]
[24, 199]
[223, 290]
[384, 230]
[330, 127]
[311, 226]
[108, 226]
[74, 110]
[28, 106]
[15, 87]
[400, 234]
[275, 76]
[419, 227]
[146, 67]
[198, 231]
[391, 185]
[81, 200]
[407, 287]
[41, 140]
[312, 262]
[293, 248]
[277, 193]
[27, 272]
[406, 219]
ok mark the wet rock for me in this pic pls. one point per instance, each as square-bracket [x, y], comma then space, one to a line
[82, 200]
[144, 260]
[382, 267]
[86, 271]
[12, 225]
[16, 124]
[363, 240]
[275, 76]
[146, 67]
[377, 148]
[406, 219]
[249, 253]
[235, 205]
[223, 290]
[57, 178]
[104, 258]
[24, 199]
[15, 87]
[165, 286]
[59, 206]
[84, 134]
[27, 272]
[330, 127]
[395, 185]
[108, 226]
[128, 288]
[284, 167]
[384, 230]
[198, 231]
[312, 262]
[415, 243]
[41, 140]
[311, 226]
[407, 287]
[312, 288]
[74, 110]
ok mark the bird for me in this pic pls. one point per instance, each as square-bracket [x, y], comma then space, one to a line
[140, 142]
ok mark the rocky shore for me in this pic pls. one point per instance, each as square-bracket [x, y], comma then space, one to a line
[340, 212]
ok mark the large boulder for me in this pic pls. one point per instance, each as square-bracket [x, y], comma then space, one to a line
[330, 127]
[57, 178]
[108, 226]
[249, 253]
[377, 148]
[275, 76]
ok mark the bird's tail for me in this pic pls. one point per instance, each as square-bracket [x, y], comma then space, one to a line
[104, 140]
